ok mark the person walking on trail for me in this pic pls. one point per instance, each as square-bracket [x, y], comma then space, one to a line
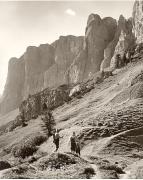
[56, 139]
[77, 146]
[73, 142]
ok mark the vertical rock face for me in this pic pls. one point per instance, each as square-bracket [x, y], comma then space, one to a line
[138, 20]
[99, 33]
[66, 50]
[13, 93]
[123, 40]
[39, 68]
[37, 61]
[45, 65]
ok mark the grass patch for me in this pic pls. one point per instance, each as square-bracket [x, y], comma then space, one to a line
[4, 165]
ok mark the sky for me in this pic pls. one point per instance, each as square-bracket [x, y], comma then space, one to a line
[26, 23]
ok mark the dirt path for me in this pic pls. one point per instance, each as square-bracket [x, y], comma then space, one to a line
[96, 146]
[93, 148]
[2, 172]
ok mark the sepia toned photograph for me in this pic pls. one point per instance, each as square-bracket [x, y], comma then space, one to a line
[71, 89]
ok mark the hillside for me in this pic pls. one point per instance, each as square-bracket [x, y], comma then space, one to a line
[114, 104]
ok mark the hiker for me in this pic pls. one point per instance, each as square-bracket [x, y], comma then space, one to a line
[124, 60]
[56, 139]
[128, 57]
[118, 60]
[73, 143]
[116, 164]
[77, 146]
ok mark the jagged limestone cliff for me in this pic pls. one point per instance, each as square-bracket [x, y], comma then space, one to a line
[138, 20]
[68, 60]
[39, 68]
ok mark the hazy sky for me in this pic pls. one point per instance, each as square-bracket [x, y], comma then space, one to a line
[25, 23]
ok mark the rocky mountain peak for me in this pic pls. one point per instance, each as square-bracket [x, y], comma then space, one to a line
[71, 59]
[93, 18]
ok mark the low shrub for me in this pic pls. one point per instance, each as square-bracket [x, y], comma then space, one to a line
[27, 146]
[89, 171]
[4, 165]
[23, 150]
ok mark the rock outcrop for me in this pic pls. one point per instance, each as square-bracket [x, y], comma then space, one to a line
[138, 20]
[122, 41]
[33, 106]
[99, 33]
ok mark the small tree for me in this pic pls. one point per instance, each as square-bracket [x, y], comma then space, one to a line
[48, 123]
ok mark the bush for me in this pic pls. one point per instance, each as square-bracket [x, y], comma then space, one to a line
[4, 165]
[28, 145]
[36, 139]
[24, 150]
[89, 171]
